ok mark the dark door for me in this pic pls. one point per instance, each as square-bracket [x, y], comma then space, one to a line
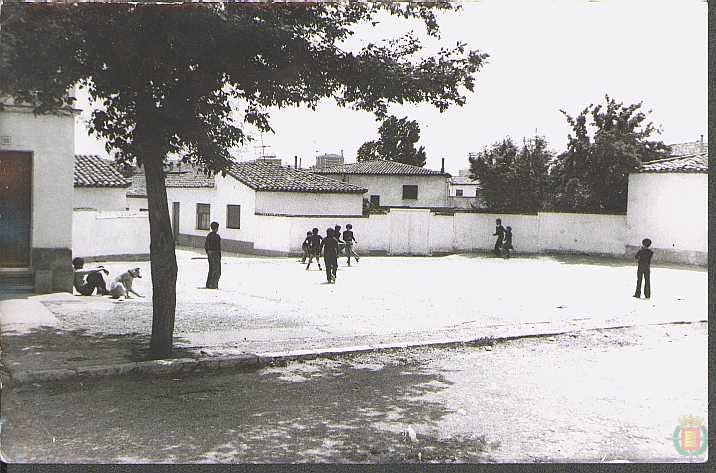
[175, 219]
[15, 201]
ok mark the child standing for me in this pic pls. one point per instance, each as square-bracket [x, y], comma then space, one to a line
[643, 257]
[314, 249]
[500, 234]
[330, 254]
[306, 247]
[507, 245]
[349, 239]
[212, 246]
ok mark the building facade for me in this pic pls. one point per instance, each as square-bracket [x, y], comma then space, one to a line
[36, 194]
[668, 203]
[98, 185]
[392, 184]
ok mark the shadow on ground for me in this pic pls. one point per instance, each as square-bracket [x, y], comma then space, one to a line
[48, 347]
[335, 411]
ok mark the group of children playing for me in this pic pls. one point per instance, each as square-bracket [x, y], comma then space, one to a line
[331, 246]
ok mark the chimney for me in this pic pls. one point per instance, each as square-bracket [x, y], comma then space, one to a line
[295, 162]
[300, 164]
[442, 167]
[702, 139]
[342, 151]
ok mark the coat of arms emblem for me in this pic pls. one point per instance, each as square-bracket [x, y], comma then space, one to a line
[690, 437]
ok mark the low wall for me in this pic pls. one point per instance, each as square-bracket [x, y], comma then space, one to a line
[397, 232]
[97, 233]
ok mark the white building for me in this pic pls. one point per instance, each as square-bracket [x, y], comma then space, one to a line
[247, 201]
[36, 157]
[98, 185]
[463, 191]
[392, 184]
[668, 203]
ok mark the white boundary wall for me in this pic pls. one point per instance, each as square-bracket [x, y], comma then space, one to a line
[97, 233]
[398, 232]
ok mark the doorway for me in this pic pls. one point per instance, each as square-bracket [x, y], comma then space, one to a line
[15, 208]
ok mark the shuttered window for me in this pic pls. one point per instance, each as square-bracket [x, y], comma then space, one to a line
[233, 216]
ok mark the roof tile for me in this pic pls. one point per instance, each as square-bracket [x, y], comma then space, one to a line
[379, 166]
[93, 171]
[270, 177]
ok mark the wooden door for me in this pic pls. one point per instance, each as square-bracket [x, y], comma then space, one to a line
[15, 208]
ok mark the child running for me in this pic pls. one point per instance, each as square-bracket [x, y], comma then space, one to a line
[507, 244]
[315, 249]
[330, 254]
[350, 240]
[306, 247]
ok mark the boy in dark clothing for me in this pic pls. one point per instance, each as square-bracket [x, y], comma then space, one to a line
[315, 249]
[212, 246]
[500, 234]
[87, 280]
[643, 257]
[337, 236]
[306, 247]
[330, 254]
[507, 245]
[350, 240]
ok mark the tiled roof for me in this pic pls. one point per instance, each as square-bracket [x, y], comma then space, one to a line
[380, 166]
[267, 177]
[694, 163]
[93, 171]
[689, 149]
[176, 177]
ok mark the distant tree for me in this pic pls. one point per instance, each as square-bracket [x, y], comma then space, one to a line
[592, 175]
[165, 79]
[513, 178]
[396, 143]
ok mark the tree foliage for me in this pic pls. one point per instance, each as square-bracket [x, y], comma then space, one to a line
[513, 178]
[396, 142]
[168, 78]
[592, 174]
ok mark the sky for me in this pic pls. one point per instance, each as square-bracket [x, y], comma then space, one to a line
[545, 55]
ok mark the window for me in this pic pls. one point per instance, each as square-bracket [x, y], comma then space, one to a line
[375, 200]
[233, 216]
[203, 216]
[458, 192]
[410, 192]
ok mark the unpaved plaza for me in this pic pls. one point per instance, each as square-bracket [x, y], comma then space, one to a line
[274, 304]
[595, 396]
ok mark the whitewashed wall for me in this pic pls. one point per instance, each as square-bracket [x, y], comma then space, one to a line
[432, 190]
[306, 203]
[468, 190]
[138, 204]
[587, 233]
[96, 233]
[672, 210]
[50, 138]
[100, 198]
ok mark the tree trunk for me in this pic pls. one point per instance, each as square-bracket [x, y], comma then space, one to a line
[163, 258]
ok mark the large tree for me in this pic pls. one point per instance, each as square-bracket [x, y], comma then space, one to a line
[512, 178]
[396, 142]
[593, 173]
[167, 79]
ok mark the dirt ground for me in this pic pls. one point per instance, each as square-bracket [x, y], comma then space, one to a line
[595, 396]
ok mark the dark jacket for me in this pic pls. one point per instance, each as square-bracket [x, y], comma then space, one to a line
[499, 232]
[348, 236]
[213, 242]
[330, 247]
[643, 257]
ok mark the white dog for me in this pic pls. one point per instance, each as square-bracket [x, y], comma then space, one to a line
[121, 286]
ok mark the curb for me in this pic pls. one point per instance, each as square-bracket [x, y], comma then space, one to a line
[255, 361]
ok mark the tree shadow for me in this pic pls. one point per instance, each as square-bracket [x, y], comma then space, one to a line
[322, 411]
[49, 347]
